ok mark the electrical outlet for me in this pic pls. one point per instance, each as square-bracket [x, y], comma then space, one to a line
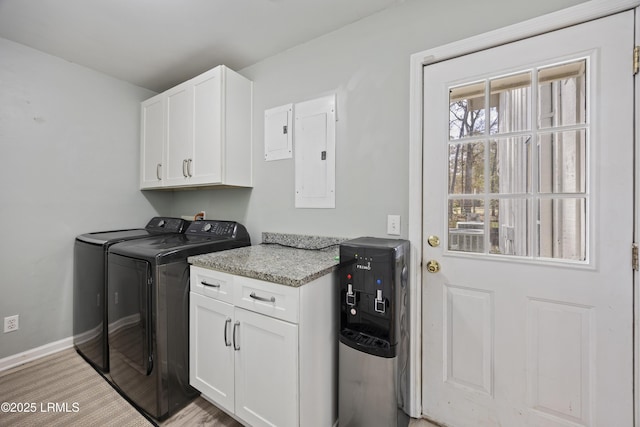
[11, 323]
[393, 225]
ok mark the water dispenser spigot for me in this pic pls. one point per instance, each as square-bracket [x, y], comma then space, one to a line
[379, 305]
[351, 297]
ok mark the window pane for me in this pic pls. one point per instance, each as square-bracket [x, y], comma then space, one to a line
[466, 225]
[509, 165]
[466, 111]
[562, 162]
[562, 229]
[509, 229]
[466, 168]
[562, 95]
[510, 102]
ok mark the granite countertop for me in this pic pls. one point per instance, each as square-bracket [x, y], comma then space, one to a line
[287, 259]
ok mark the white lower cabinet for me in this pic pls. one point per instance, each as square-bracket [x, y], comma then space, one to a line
[249, 361]
[266, 370]
[211, 364]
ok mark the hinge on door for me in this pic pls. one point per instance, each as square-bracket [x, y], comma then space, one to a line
[634, 257]
[636, 60]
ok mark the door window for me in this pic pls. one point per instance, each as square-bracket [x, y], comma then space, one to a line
[518, 156]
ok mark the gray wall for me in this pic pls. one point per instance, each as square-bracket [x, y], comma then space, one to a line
[367, 65]
[69, 143]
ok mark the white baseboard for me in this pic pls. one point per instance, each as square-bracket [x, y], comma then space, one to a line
[35, 353]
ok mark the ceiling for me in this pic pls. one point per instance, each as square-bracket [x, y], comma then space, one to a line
[157, 44]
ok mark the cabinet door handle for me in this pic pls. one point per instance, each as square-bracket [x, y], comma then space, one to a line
[254, 296]
[158, 167]
[211, 285]
[184, 168]
[189, 171]
[227, 322]
[236, 326]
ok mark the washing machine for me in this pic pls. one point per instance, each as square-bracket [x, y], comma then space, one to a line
[90, 284]
[148, 285]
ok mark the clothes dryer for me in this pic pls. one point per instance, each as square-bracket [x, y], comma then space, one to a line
[90, 284]
[149, 326]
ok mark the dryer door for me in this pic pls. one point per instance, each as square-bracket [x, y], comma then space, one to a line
[130, 327]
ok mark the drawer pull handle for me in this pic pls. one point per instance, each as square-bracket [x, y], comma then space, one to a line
[227, 322]
[211, 285]
[254, 296]
[235, 326]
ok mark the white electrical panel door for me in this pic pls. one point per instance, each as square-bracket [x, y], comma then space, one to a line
[315, 146]
[278, 141]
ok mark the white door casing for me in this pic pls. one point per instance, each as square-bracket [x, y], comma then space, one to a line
[525, 339]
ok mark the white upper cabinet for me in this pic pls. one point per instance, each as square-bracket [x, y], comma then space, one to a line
[179, 131]
[206, 132]
[152, 142]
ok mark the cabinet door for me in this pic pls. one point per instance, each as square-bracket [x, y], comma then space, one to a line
[179, 134]
[152, 142]
[211, 358]
[266, 370]
[205, 166]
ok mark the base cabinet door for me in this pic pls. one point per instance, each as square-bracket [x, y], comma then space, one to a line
[212, 357]
[266, 370]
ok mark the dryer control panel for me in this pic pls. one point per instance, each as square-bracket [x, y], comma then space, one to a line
[221, 229]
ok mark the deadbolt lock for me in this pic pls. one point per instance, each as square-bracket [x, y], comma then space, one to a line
[433, 266]
[434, 241]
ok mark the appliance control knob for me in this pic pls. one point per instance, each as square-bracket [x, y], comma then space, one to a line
[207, 227]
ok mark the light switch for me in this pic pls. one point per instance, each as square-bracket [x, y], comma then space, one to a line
[393, 225]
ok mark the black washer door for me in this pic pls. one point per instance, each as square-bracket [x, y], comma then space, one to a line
[130, 328]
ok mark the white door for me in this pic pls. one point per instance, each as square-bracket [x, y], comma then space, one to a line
[211, 354]
[152, 145]
[266, 373]
[205, 164]
[179, 133]
[528, 183]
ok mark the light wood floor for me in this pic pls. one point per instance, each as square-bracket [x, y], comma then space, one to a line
[44, 376]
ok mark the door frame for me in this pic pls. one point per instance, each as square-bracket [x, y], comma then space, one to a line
[578, 14]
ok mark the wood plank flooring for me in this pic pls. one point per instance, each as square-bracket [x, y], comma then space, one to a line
[85, 398]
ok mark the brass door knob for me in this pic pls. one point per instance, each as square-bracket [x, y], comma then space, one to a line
[433, 266]
[434, 241]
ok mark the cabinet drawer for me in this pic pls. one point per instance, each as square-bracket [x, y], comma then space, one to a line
[279, 301]
[214, 284]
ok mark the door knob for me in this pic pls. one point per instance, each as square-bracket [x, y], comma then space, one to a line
[434, 241]
[433, 266]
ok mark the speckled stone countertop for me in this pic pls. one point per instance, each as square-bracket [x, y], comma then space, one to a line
[287, 259]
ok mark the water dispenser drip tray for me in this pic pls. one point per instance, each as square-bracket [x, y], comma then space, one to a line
[365, 342]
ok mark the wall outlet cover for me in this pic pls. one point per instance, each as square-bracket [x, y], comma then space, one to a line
[11, 323]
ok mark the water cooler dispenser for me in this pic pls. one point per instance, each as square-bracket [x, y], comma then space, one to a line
[373, 385]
